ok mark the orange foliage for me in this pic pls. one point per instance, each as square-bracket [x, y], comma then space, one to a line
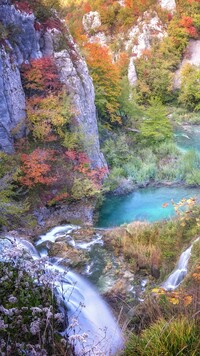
[36, 168]
[106, 76]
[123, 62]
[41, 75]
[187, 23]
[87, 7]
[81, 164]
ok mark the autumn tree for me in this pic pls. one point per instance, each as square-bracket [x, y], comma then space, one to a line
[106, 79]
[40, 77]
[190, 87]
[49, 117]
[36, 168]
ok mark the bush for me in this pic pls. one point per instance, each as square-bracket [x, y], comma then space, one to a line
[190, 87]
[189, 166]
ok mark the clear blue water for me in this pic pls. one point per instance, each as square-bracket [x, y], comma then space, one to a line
[143, 205]
[188, 137]
[146, 204]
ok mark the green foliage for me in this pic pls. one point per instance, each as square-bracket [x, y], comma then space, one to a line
[116, 151]
[189, 168]
[190, 87]
[49, 117]
[178, 336]
[11, 210]
[71, 140]
[167, 149]
[114, 179]
[156, 126]
[83, 188]
[183, 115]
[130, 111]
[140, 172]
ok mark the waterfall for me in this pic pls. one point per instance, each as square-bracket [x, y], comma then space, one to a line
[92, 329]
[176, 277]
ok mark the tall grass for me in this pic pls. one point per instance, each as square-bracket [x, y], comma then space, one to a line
[175, 337]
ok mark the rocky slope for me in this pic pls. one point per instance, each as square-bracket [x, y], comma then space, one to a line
[20, 42]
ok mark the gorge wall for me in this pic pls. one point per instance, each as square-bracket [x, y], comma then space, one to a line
[21, 41]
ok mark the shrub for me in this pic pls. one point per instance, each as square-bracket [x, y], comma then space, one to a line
[189, 166]
[190, 87]
[156, 127]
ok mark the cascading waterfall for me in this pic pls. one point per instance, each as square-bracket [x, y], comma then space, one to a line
[180, 271]
[92, 328]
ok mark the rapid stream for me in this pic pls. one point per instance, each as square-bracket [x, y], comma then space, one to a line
[92, 329]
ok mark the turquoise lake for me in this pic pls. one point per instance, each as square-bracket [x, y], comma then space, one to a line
[146, 204]
[188, 137]
[143, 205]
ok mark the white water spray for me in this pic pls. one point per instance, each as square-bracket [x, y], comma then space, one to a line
[180, 271]
[92, 328]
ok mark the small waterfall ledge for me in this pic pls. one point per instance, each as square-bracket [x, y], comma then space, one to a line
[180, 271]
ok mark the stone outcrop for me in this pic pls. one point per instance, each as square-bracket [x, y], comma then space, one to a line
[12, 103]
[24, 43]
[140, 37]
[74, 75]
[132, 74]
[91, 21]
[168, 4]
[191, 56]
[20, 45]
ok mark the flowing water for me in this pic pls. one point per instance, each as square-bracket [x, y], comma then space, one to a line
[187, 137]
[91, 323]
[92, 327]
[180, 271]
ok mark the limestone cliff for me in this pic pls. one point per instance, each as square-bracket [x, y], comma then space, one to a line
[20, 42]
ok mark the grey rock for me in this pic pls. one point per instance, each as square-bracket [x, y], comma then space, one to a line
[25, 43]
[23, 37]
[12, 103]
[74, 75]
[132, 74]
[191, 56]
[20, 46]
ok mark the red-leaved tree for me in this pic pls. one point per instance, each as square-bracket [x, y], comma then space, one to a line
[41, 77]
[36, 168]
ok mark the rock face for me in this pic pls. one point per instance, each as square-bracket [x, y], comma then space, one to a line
[168, 4]
[74, 75]
[132, 74]
[91, 21]
[20, 45]
[12, 103]
[192, 56]
[23, 43]
[140, 36]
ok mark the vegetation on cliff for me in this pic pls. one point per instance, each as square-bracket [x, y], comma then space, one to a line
[50, 166]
